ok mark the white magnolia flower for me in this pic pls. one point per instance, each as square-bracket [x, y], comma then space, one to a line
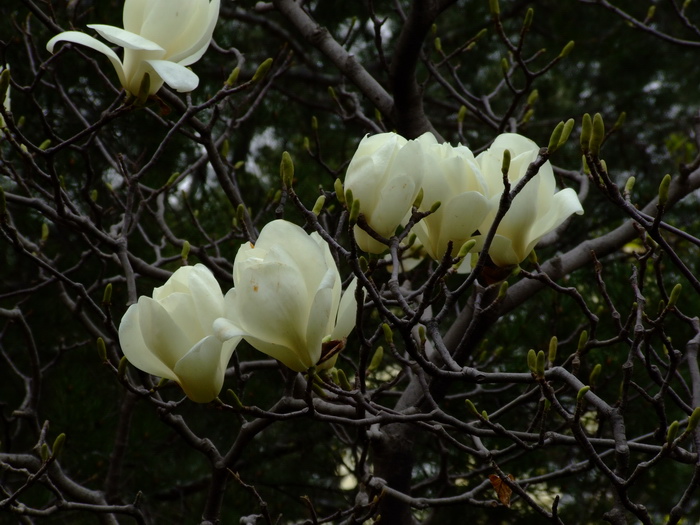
[171, 335]
[454, 180]
[160, 38]
[287, 301]
[385, 175]
[536, 210]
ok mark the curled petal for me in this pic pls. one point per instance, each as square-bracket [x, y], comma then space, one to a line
[125, 39]
[174, 75]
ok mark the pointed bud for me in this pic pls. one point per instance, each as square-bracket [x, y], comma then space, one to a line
[540, 363]
[233, 77]
[532, 97]
[597, 135]
[348, 198]
[376, 361]
[593, 377]
[471, 407]
[586, 132]
[461, 114]
[485, 415]
[262, 71]
[675, 294]
[121, 369]
[388, 334]
[650, 14]
[339, 193]
[45, 145]
[567, 49]
[102, 349]
[438, 44]
[343, 380]
[620, 121]
[466, 248]
[234, 399]
[185, 251]
[532, 360]
[494, 7]
[553, 345]
[672, 432]
[629, 185]
[579, 396]
[505, 66]
[225, 148]
[582, 340]
[378, 115]
[435, 206]
[354, 212]
[433, 29]
[502, 291]
[693, 420]
[44, 232]
[314, 123]
[555, 137]
[44, 452]
[318, 205]
[419, 199]
[505, 165]
[663, 190]
[566, 132]
[107, 295]
[58, 445]
[172, 179]
[331, 92]
[287, 169]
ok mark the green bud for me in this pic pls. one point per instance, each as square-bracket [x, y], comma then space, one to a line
[144, 90]
[466, 248]
[318, 205]
[225, 147]
[582, 340]
[107, 295]
[540, 363]
[44, 452]
[306, 144]
[376, 361]
[93, 195]
[437, 44]
[579, 396]
[185, 250]
[378, 115]
[435, 206]
[287, 169]
[354, 211]
[663, 189]
[238, 165]
[388, 334]
[235, 399]
[277, 196]
[172, 179]
[593, 377]
[121, 369]
[505, 165]
[532, 360]
[675, 294]
[44, 232]
[262, 71]
[553, 346]
[58, 444]
[685, 5]
[693, 420]
[629, 185]
[494, 7]
[314, 123]
[555, 137]
[502, 291]
[364, 265]
[45, 145]
[240, 212]
[4, 84]
[566, 132]
[471, 407]
[339, 193]
[331, 92]
[527, 22]
[597, 135]
[505, 66]
[233, 77]
[348, 198]
[485, 415]
[419, 199]
[567, 49]
[650, 14]
[433, 29]
[672, 432]
[421, 334]
[586, 132]
[528, 115]
[343, 380]
[620, 120]
[532, 97]
[102, 349]
[461, 114]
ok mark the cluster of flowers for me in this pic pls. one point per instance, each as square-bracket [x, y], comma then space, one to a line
[287, 303]
[388, 172]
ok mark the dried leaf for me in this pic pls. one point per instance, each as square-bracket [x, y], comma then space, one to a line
[503, 491]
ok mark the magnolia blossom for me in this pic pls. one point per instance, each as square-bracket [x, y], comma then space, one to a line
[171, 334]
[385, 175]
[287, 301]
[454, 180]
[160, 38]
[536, 210]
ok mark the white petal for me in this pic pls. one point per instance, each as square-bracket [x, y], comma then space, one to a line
[199, 372]
[347, 313]
[174, 75]
[135, 349]
[124, 38]
[77, 37]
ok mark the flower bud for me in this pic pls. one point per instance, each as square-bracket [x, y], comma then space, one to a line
[261, 71]
[663, 190]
